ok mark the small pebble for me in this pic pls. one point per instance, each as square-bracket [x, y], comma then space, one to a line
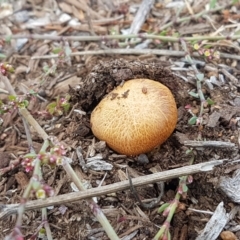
[142, 159]
[227, 235]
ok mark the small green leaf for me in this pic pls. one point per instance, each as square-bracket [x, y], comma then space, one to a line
[42, 233]
[2, 56]
[163, 33]
[237, 32]
[67, 97]
[8, 39]
[189, 151]
[193, 94]
[36, 185]
[163, 207]
[184, 188]
[200, 76]
[182, 179]
[201, 96]
[212, 4]
[32, 92]
[26, 103]
[192, 120]
[207, 46]
[51, 107]
[30, 155]
[210, 101]
[45, 68]
[175, 34]
[23, 104]
[112, 31]
[188, 58]
[12, 98]
[51, 110]
[68, 51]
[66, 107]
[56, 50]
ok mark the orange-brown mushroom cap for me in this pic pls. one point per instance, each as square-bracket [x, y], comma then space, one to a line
[136, 117]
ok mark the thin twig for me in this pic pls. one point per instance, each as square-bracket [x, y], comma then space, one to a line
[110, 37]
[112, 188]
[233, 79]
[160, 52]
[200, 211]
[218, 144]
[25, 113]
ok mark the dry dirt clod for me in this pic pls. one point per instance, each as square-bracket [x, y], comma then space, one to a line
[22, 179]
[105, 76]
[5, 159]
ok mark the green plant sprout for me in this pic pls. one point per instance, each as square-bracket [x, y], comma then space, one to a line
[13, 103]
[209, 54]
[60, 106]
[199, 80]
[6, 68]
[63, 52]
[168, 209]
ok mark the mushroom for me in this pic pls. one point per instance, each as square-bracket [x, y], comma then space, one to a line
[136, 117]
